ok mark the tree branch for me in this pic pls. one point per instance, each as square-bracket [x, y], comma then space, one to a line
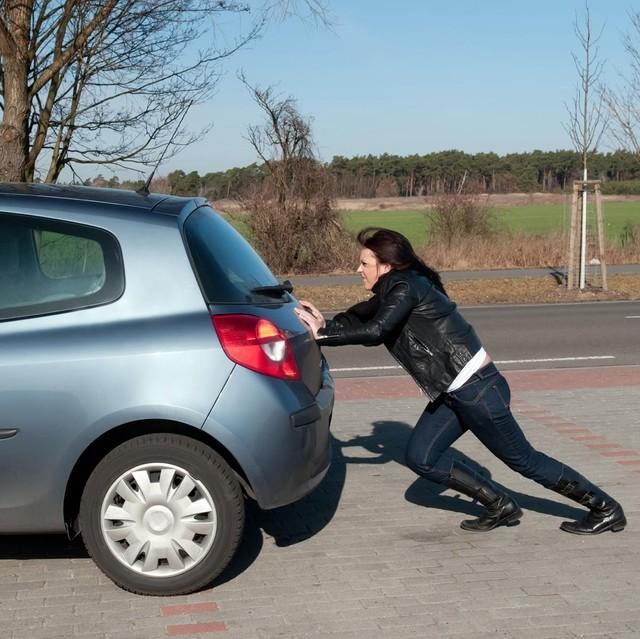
[78, 42]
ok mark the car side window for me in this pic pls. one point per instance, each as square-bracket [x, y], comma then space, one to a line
[47, 266]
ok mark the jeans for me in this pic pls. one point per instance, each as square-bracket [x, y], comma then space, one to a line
[481, 406]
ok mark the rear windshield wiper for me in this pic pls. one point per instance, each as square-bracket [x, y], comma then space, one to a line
[276, 289]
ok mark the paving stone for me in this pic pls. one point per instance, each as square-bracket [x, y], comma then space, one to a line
[376, 551]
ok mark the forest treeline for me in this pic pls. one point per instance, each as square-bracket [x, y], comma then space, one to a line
[419, 175]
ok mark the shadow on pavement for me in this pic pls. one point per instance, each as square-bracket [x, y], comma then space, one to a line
[41, 547]
[290, 524]
[303, 519]
[388, 440]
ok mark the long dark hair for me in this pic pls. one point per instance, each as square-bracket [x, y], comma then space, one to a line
[391, 247]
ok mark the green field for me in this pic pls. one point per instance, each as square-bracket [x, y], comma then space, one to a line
[518, 219]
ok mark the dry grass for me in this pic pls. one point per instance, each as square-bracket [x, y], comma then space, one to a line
[500, 291]
[513, 251]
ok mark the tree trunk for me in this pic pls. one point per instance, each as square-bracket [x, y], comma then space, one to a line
[14, 136]
[13, 129]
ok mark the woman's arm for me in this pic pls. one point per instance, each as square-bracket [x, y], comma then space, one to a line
[357, 314]
[390, 315]
[354, 316]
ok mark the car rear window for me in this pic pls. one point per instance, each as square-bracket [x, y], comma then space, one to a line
[226, 264]
[48, 266]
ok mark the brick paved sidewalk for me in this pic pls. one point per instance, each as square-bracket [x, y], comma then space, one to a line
[377, 552]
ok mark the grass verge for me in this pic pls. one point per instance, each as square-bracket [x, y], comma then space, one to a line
[499, 291]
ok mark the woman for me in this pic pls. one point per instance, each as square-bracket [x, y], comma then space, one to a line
[411, 314]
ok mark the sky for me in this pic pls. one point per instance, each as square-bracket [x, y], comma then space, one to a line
[413, 77]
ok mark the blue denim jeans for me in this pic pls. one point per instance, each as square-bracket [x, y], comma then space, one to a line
[481, 406]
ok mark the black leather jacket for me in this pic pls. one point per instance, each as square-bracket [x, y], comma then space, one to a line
[420, 327]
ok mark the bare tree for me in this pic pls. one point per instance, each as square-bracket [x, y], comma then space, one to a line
[106, 81]
[284, 143]
[292, 217]
[586, 114]
[623, 103]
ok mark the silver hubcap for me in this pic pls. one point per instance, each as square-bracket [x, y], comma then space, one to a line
[158, 520]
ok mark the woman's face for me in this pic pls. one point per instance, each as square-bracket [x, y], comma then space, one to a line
[371, 268]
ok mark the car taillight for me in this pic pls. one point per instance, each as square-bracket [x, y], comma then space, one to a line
[256, 343]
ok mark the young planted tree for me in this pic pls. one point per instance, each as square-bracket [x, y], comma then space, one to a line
[106, 81]
[586, 123]
[587, 111]
[292, 217]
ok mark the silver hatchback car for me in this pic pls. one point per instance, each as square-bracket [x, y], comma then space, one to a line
[153, 374]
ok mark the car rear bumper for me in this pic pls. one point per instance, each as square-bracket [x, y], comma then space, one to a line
[277, 431]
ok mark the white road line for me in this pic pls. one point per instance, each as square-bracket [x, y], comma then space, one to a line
[364, 368]
[632, 316]
[553, 359]
[504, 361]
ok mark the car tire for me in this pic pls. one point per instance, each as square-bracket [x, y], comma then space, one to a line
[162, 514]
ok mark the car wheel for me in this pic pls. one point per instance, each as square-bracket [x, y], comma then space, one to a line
[162, 514]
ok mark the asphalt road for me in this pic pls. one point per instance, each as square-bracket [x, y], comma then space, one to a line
[524, 337]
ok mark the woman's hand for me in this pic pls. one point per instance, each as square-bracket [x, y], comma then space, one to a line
[311, 316]
[311, 308]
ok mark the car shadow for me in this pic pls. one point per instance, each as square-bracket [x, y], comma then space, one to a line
[41, 547]
[291, 524]
[286, 526]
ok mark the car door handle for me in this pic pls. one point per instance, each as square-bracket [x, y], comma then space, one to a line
[7, 433]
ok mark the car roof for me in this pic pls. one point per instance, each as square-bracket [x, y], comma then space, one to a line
[161, 203]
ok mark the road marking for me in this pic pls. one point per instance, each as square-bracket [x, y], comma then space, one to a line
[504, 361]
[632, 317]
[364, 368]
[553, 359]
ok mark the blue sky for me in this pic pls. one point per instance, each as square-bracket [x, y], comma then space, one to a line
[413, 76]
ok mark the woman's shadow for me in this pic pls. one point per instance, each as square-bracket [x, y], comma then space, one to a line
[388, 441]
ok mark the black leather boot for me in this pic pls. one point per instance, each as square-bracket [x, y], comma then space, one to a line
[605, 513]
[501, 509]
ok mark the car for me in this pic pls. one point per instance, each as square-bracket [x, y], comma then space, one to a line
[153, 377]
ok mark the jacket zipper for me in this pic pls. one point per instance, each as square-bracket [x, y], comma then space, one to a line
[419, 341]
